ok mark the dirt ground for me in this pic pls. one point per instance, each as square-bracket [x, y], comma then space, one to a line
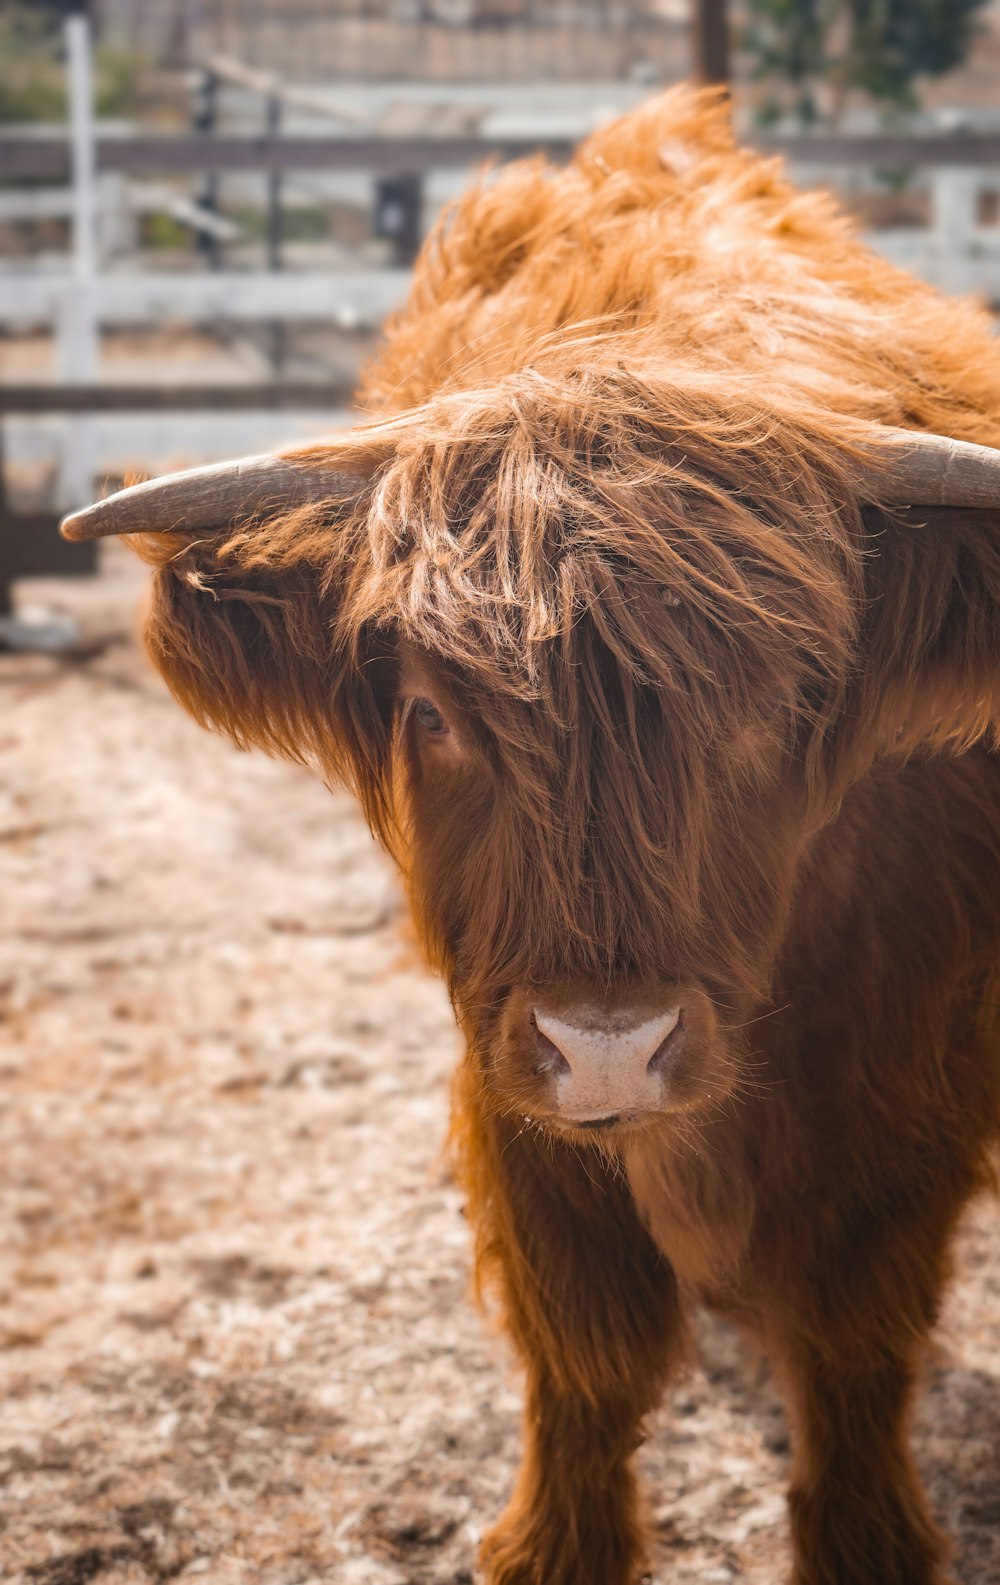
[236, 1338]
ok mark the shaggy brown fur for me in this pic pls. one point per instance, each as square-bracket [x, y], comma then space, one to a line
[725, 732]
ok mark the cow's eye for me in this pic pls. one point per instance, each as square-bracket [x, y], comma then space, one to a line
[430, 718]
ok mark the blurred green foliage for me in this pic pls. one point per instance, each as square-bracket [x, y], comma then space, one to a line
[33, 68]
[159, 230]
[817, 55]
[299, 222]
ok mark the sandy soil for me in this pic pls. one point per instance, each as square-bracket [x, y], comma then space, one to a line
[236, 1340]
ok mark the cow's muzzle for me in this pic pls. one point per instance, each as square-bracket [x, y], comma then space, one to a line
[592, 1065]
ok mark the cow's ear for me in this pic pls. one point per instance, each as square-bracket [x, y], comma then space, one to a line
[928, 661]
[928, 667]
[254, 560]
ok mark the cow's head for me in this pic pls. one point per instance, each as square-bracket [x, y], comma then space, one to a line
[593, 650]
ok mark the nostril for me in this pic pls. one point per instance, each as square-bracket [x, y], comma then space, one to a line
[548, 1059]
[668, 1048]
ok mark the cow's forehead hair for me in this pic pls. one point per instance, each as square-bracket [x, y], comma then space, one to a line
[644, 530]
[598, 557]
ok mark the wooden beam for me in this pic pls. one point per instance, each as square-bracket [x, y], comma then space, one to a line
[47, 157]
[150, 154]
[711, 41]
[266, 395]
[887, 152]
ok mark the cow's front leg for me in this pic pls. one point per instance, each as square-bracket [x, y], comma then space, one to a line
[573, 1518]
[593, 1308]
[858, 1511]
[859, 1516]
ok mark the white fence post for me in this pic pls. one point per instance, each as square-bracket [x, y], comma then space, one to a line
[954, 197]
[77, 328]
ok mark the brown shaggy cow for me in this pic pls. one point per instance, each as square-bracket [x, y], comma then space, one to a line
[668, 672]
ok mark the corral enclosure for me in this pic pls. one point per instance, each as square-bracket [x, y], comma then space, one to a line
[237, 1341]
[236, 1336]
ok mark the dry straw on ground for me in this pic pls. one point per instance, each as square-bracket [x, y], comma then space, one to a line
[236, 1341]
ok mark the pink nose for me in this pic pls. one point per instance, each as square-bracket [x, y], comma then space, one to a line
[604, 1064]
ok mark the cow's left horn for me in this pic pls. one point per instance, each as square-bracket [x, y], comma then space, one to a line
[918, 469]
[211, 498]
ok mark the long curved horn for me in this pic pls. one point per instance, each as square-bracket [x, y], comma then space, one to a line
[918, 469]
[210, 497]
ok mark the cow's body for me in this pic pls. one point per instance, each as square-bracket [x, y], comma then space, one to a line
[816, 1208]
[679, 739]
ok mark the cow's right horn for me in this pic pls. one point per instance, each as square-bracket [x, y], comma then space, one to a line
[934, 470]
[212, 497]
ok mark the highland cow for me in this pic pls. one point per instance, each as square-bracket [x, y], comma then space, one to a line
[653, 617]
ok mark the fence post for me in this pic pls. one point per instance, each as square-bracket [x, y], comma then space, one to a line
[278, 336]
[274, 184]
[954, 194]
[205, 112]
[6, 558]
[711, 41]
[77, 330]
[398, 215]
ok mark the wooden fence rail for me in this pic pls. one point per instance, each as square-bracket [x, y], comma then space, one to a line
[267, 396]
[47, 157]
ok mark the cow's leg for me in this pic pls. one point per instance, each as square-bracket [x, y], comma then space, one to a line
[859, 1516]
[848, 1349]
[593, 1309]
[573, 1517]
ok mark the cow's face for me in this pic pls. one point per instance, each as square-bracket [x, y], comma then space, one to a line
[604, 880]
[598, 669]
[580, 645]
